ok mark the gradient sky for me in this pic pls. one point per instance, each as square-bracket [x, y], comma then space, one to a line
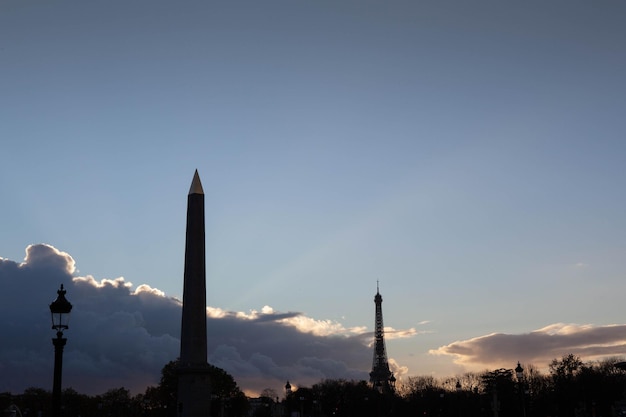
[468, 155]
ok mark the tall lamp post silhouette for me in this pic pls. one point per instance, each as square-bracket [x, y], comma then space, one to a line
[60, 312]
[459, 391]
[519, 373]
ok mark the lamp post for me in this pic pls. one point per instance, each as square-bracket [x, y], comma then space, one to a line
[392, 383]
[458, 389]
[60, 312]
[519, 373]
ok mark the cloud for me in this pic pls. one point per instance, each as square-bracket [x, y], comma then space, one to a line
[391, 333]
[538, 347]
[398, 370]
[122, 337]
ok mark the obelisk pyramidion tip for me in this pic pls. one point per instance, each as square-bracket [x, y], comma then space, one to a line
[196, 185]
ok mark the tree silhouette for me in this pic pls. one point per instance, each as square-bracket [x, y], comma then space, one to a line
[227, 398]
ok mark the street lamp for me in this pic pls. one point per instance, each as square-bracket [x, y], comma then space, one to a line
[60, 312]
[458, 396]
[519, 373]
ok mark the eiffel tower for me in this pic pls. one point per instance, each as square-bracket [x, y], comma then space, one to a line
[380, 377]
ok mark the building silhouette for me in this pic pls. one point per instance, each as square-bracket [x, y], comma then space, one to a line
[194, 385]
[380, 377]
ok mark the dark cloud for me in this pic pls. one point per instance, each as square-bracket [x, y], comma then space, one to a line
[122, 337]
[539, 347]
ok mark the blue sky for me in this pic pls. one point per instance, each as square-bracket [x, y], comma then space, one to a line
[469, 155]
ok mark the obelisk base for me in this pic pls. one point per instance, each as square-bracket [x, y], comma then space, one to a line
[194, 392]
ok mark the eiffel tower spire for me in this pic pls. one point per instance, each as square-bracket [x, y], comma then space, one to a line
[380, 377]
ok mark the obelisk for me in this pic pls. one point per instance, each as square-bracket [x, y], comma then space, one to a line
[194, 388]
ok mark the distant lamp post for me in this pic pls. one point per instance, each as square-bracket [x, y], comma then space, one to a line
[458, 396]
[60, 311]
[519, 373]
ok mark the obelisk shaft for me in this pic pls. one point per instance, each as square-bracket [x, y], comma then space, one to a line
[193, 340]
[194, 384]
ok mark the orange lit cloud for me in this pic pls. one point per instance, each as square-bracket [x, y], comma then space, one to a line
[538, 347]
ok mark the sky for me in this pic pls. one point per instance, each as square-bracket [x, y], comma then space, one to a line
[468, 156]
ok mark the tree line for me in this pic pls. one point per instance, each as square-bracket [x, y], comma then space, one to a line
[571, 387]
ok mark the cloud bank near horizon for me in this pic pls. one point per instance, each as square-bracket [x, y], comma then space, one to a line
[538, 347]
[122, 337]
